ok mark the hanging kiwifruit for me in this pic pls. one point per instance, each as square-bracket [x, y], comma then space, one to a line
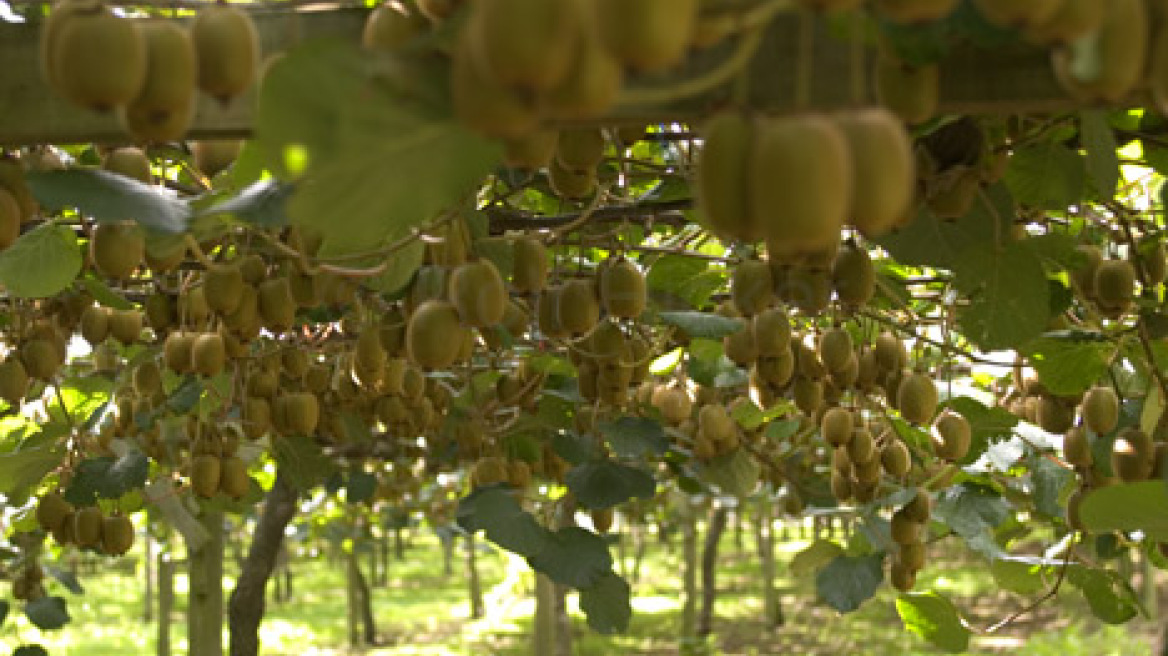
[647, 35]
[1114, 286]
[1100, 409]
[580, 149]
[1077, 447]
[622, 289]
[434, 335]
[164, 107]
[895, 457]
[1116, 53]
[485, 105]
[125, 325]
[117, 249]
[52, 509]
[800, 203]
[837, 426]
[228, 50]
[752, 288]
[13, 382]
[916, 398]
[530, 265]
[571, 185]
[853, 276]
[117, 535]
[911, 92]
[12, 180]
[87, 527]
[478, 293]
[1133, 455]
[276, 305]
[952, 435]
[591, 84]
[95, 324]
[772, 332]
[206, 470]
[95, 58]
[223, 287]
[524, 44]
[723, 178]
[10, 219]
[233, 479]
[577, 306]
[883, 169]
[40, 358]
[1083, 277]
[214, 155]
[835, 349]
[130, 162]
[531, 151]
[208, 354]
[393, 25]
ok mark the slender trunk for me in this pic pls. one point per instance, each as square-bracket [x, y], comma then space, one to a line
[246, 608]
[689, 548]
[151, 574]
[714, 530]
[563, 622]
[544, 629]
[771, 603]
[383, 554]
[638, 551]
[738, 530]
[472, 575]
[362, 629]
[205, 584]
[165, 601]
[447, 539]
[399, 544]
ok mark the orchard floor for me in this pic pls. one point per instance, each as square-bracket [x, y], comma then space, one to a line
[425, 612]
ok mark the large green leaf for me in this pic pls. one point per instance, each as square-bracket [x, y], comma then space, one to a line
[930, 241]
[1047, 175]
[987, 425]
[689, 279]
[934, 618]
[495, 511]
[700, 325]
[47, 613]
[106, 196]
[22, 469]
[1111, 599]
[1068, 363]
[107, 478]
[604, 483]
[607, 604]
[815, 557]
[303, 460]
[41, 263]
[973, 512]
[381, 149]
[262, 204]
[1102, 159]
[634, 437]
[847, 582]
[1009, 299]
[573, 556]
[736, 473]
[1128, 507]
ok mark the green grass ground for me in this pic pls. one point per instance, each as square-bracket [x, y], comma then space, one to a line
[426, 612]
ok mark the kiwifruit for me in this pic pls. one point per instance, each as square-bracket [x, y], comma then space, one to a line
[1083, 277]
[294, 363]
[163, 109]
[1150, 262]
[809, 289]
[909, 91]
[434, 335]
[165, 256]
[1114, 286]
[87, 524]
[223, 287]
[904, 529]
[862, 448]
[673, 403]
[916, 398]
[233, 479]
[13, 381]
[276, 305]
[739, 346]
[208, 354]
[530, 266]
[211, 156]
[579, 149]
[526, 44]
[228, 50]
[548, 313]
[919, 508]
[1133, 455]
[485, 105]
[147, 378]
[478, 293]
[1077, 447]
[835, 348]
[895, 458]
[752, 288]
[1072, 20]
[206, 471]
[715, 422]
[723, 176]
[125, 325]
[95, 324]
[393, 25]
[837, 426]
[451, 244]
[531, 151]
[772, 332]
[842, 487]
[299, 412]
[51, 510]
[912, 555]
[622, 289]
[40, 359]
[116, 249]
[571, 185]
[130, 162]
[853, 276]
[952, 435]
[799, 203]
[1117, 50]
[63, 534]
[916, 11]
[256, 416]
[1010, 13]
[577, 306]
[96, 59]
[647, 35]
[158, 309]
[1100, 409]
[591, 85]
[117, 535]
[176, 351]
[12, 179]
[883, 168]
[10, 219]
[489, 471]
[602, 519]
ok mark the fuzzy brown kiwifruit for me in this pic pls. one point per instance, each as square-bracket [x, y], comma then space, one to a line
[883, 169]
[163, 109]
[223, 287]
[52, 509]
[524, 44]
[569, 184]
[531, 151]
[206, 471]
[1072, 20]
[117, 535]
[916, 11]
[739, 346]
[434, 335]
[579, 149]
[147, 378]
[835, 349]
[623, 292]
[1133, 455]
[916, 398]
[772, 332]
[853, 276]
[211, 156]
[392, 26]
[176, 351]
[95, 58]
[208, 354]
[10, 219]
[40, 358]
[752, 288]
[1115, 54]
[905, 530]
[484, 104]
[647, 35]
[478, 293]
[228, 50]
[117, 249]
[837, 426]
[723, 176]
[1114, 286]
[895, 458]
[911, 92]
[233, 479]
[276, 304]
[1100, 409]
[13, 382]
[87, 527]
[591, 85]
[952, 435]
[1077, 447]
[577, 306]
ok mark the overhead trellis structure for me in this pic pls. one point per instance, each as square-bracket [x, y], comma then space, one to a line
[1013, 78]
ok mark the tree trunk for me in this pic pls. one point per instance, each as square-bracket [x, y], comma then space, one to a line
[362, 629]
[383, 554]
[399, 543]
[447, 540]
[246, 608]
[771, 603]
[563, 621]
[165, 601]
[714, 531]
[151, 574]
[544, 629]
[205, 584]
[689, 556]
[638, 551]
[472, 575]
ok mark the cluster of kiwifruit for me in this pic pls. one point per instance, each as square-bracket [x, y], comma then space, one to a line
[493, 470]
[909, 528]
[215, 468]
[88, 527]
[28, 584]
[1110, 284]
[147, 69]
[17, 204]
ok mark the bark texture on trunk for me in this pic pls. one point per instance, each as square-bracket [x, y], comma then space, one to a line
[714, 530]
[205, 579]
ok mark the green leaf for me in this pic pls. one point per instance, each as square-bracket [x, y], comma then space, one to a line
[973, 512]
[359, 486]
[495, 511]
[20, 470]
[1110, 598]
[689, 279]
[1068, 363]
[574, 447]
[700, 325]
[736, 473]
[30, 650]
[1102, 158]
[383, 152]
[107, 197]
[262, 204]
[102, 293]
[302, 459]
[847, 582]
[934, 618]
[1048, 481]
[607, 604]
[107, 478]
[1009, 299]
[1139, 506]
[41, 263]
[815, 557]
[47, 613]
[1020, 574]
[1047, 175]
[573, 556]
[634, 437]
[400, 270]
[604, 484]
[930, 241]
[66, 578]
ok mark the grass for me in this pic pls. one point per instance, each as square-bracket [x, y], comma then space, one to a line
[424, 611]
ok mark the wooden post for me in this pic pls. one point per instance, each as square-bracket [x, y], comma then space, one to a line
[205, 584]
[151, 573]
[165, 601]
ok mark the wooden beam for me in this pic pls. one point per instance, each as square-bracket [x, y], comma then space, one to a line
[1014, 79]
